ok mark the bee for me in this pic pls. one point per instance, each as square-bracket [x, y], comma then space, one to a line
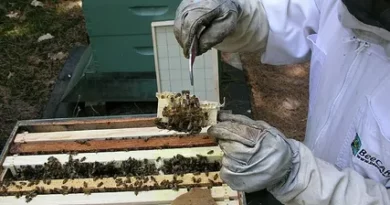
[194, 179]
[100, 184]
[48, 182]
[65, 180]
[28, 199]
[175, 187]
[179, 181]
[177, 95]
[206, 116]
[153, 179]
[85, 184]
[95, 178]
[215, 177]
[210, 152]
[23, 183]
[158, 159]
[87, 191]
[83, 159]
[7, 183]
[82, 142]
[17, 195]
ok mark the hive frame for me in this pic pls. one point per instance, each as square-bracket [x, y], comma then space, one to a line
[223, 194]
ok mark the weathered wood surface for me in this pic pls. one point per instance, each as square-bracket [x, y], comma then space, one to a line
[88, 123]
[222, 194]
[112, 145]
[96, 134]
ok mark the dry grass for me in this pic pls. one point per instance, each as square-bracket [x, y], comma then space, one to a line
[27, 70]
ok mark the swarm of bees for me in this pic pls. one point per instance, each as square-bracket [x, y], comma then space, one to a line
[181, 165]
[184, 114]
[75, 168]
[119, 171]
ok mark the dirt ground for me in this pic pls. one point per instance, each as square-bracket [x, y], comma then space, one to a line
[28, 67]
[279, 94]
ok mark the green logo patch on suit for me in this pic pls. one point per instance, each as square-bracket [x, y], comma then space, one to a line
[356, 144]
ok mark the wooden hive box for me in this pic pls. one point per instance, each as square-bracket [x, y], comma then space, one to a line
[103, 143]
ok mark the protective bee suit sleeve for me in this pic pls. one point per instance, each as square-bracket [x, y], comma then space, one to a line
[314, 181]
[258, 156]
[285, 27]
[290, 23]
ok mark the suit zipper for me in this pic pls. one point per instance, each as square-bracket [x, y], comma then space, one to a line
[362, 45]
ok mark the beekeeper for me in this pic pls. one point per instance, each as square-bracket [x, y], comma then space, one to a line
[345, 158]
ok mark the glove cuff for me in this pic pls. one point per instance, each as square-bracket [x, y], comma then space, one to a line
[288, 182]
[251, 32]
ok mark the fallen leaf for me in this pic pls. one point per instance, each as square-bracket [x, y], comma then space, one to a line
[34, 60]
[10, 74]
[50, 83]
[57, 56]
[36, 3]
[45, 37]
[67, 5]
[13, 15]
[291, 104]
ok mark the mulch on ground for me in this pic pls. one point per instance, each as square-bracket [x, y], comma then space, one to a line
[29, 68]
[279, 94]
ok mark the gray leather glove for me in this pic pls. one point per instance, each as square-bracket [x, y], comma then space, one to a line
[256, 155]
[227, 25]
[218, 16]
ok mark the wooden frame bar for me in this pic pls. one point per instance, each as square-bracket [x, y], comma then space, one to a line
[151, 155]
[140, 132]
[107, 184]
[87, 123]
[222, 194]
[111, 145]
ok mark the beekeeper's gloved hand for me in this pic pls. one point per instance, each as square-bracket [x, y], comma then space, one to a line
[256, 155]
[228, 25]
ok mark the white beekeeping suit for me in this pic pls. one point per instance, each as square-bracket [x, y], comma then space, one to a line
[345, 158]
